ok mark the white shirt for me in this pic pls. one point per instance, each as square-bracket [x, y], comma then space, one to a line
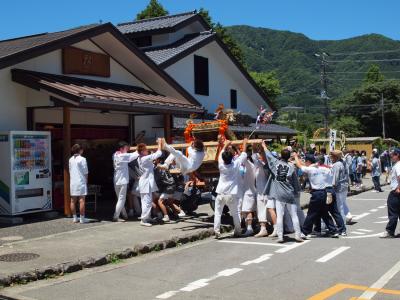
[121, 171]
[261, 177]
[247, 180]
[394, 182]
[78, 171]
[320, 177]
[195, 159]
[147, 183]
[229, 175]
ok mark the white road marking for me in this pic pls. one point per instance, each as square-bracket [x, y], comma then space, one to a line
[373, 210]
[363, 236]
[384, 217]
[366, 199]
[167, 295]
[381, 282]
[359, 233]
[383, 206]
[205, 281]
[332, 254]
[381, 222]
[252, 243]
[358, 217]
[291, 247]
[365, 230]
[12, 238]
[261, 259]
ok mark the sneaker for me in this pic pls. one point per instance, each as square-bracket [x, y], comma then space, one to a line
[181, 214]
[249, 232]
[387, 235]
[262, 233]
[334, 235]
[165, 218]
[280, 240]
[344, 233]
[303, 236]
[298, 238]
[374, 191]
[84, 221]
[217, 234]
[145, 223]
[349, 218]
[274, 233]
[75, 220]
[119, 220]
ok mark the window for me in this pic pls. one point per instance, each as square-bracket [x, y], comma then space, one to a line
[234, 99]
[201, 85]
[143, 41]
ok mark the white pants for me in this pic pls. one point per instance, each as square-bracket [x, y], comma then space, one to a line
[341, 204]
[262, 208]
[288, 224]
[147, 201]
[280, 211]
[232, 202]
[120, 190]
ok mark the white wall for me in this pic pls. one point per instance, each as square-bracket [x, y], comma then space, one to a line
[153, 125]
[223, 76]
[52, 63]
[80, 116]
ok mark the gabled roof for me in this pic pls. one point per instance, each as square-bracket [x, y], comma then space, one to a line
[99, 94]
[17, 50]
[163, 54]
[163, 24]
[166, 56]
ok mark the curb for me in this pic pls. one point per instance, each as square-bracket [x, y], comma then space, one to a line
[114, 257]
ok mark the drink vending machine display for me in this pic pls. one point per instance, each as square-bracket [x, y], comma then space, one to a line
[25, 180]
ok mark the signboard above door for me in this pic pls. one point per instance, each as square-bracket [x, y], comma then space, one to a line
[81, 62]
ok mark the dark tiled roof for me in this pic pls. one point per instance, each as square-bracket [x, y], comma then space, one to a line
[155, 23]
[13, 46]
[180, 123]
[162, 54]
[90, 93]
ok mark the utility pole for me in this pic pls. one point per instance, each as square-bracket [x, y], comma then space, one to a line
[324, 90]
[383, 116]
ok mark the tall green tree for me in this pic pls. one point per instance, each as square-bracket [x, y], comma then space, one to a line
[373, 75]
[153, 9]
[223, 34]
[269, 83]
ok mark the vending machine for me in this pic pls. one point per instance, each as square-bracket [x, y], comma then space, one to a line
[25, 172]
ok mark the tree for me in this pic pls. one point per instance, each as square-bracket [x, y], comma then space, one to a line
[152, 10]
[268, 82]
[223, 34]
[349, 124]
[373, 75]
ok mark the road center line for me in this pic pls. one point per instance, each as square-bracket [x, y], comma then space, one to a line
[332, 254]
[384, 217]
[373, 210]
[382, 206]
[167, 295]
[365, 230]
[381, 222]
[358, 217]
[252, 243]
[291, 247]
[261, 259]
[381, 282]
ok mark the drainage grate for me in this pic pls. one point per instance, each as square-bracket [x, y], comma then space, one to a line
[17, 257]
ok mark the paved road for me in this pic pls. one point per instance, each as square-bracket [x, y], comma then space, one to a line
[249, 268]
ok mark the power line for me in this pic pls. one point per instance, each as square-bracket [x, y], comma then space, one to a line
[364, 60]
[359, 72]
[366, 52]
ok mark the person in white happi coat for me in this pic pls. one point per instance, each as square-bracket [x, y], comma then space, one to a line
[247, 195]
[147, 184]
[78, 172]
[227, 188]
[260, 173]
[186, 164]
[121, 159]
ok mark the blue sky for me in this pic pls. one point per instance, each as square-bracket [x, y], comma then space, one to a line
[322, 19]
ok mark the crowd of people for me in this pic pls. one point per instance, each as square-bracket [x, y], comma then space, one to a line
[261, 188]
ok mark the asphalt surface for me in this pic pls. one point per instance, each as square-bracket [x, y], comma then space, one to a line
[249, 268]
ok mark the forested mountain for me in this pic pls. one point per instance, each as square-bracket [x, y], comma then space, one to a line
[291, 56]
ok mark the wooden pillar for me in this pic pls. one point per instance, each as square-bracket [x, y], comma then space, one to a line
[30, 122]
[168, 128]
[132, 130]
[66, 156]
